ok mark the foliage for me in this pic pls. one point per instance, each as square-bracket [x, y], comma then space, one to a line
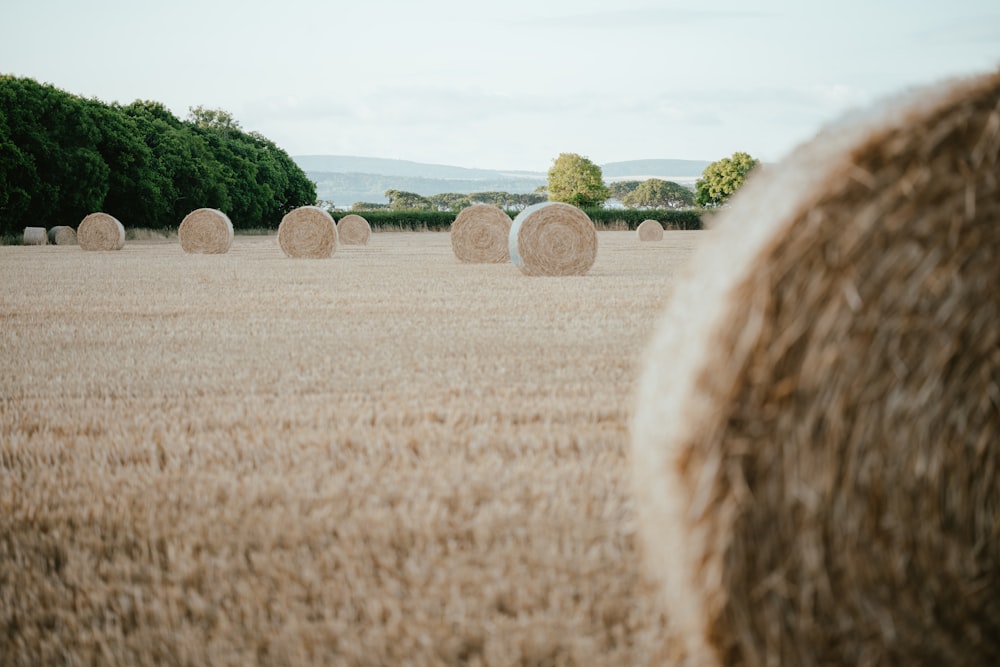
[657, 193]
[576, 180]
[428, 220]
[632, 218]
[409, 220]
[454, 201]
[620, 189]
[400, 200]
[722, 178]
[63, 157]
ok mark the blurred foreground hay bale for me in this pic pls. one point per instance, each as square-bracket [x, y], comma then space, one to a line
[817, 437]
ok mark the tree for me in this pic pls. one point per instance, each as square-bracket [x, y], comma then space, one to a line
[576, 180]
[400, 200]
[722, 178]
[62, 157]
[212, 118]
[657, 193]
[620, 189]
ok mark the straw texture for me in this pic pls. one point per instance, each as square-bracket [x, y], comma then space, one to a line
[552, 239]
[394, 458]
[35, 236]
[817, 435]
[650, 230]
[62, 235]
[206, 231]
[100, 231]
[479, 234]
[353, 230]
[308, 232]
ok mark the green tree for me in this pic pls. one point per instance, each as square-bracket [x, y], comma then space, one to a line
[212, 118]
[576, 180]
[62, 157]
[368, 206]
[620, 189]
[722, 178]
[657, 193]
[400, 200]
[449, 201]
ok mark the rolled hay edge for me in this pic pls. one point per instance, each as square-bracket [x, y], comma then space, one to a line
[307, 232]
[552, 239]
[353, 229]
[807, 301]
[206, 231]
[650, 230]
[100, 231]
[62, 235]
[35, 236]
[480, 233]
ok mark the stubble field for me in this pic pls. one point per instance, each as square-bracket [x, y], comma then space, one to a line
[386, 457]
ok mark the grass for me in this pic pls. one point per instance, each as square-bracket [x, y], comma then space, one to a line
[386, 457]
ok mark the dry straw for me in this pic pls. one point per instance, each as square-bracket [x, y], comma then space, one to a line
[817, 437]
[308, 232]
[353, 230]
[207, 231]
[35, 236]
[62, 235]
[100, 231]
[553, 239]
[479, 234]
[650, 230]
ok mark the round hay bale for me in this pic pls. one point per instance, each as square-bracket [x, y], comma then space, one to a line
[100, 231]
[62, 235]
[552, 239]
[816, 440]
[353, 230]
[35, 236]
[480, 234]
[207, 231]
[308, 232]
[650, 230]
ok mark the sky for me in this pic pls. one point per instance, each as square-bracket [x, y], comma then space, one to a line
[506, 85]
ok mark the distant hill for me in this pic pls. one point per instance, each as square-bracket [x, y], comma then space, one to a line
[346, 179]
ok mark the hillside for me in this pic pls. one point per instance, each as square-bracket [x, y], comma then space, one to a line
[346, 179]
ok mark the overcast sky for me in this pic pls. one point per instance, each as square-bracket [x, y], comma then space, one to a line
[505, 84]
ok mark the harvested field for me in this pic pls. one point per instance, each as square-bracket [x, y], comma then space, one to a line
[383, 457]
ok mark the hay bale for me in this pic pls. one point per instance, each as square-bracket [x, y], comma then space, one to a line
[62, 235]
[353, 230]
[35, 236]
[552, 239]
[207, 231]
[479, 234]
[100, 231]
[650, 230]
[308, 232]
[816, 441]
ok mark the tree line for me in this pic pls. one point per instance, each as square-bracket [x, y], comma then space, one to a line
[63, 157]
[576, 180]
